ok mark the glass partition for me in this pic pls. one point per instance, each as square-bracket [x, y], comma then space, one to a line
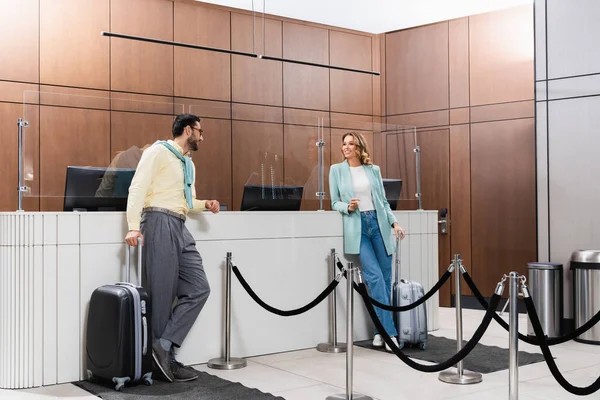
[80, 151]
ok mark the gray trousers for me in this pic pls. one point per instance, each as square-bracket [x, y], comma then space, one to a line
[173, 271]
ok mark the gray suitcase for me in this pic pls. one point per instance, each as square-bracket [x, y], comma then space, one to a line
[411, 325]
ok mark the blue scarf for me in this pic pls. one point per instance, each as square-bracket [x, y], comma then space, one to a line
[188, 173]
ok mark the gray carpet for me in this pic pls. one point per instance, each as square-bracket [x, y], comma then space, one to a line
[483, 359]
[206, 387]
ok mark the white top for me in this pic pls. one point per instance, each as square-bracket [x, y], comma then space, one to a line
[362, 188]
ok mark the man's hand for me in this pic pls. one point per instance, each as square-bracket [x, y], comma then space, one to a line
[132, 237]
[213, 206]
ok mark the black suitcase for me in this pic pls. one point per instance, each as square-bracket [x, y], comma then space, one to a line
[119, 333]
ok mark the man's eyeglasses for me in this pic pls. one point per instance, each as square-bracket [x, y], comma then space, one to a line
[198, 129]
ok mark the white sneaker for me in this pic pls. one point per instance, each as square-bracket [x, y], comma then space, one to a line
[387, 348]
[377, 341]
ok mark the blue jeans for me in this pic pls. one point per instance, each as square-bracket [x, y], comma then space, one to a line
[376, 267]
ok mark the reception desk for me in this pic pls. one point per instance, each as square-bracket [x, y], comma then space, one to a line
[50, 263]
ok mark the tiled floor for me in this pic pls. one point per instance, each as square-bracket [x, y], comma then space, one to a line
[309, 374]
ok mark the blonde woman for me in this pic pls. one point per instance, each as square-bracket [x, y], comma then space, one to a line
[357, 193]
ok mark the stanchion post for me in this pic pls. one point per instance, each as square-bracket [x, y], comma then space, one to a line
[227, 362]
[513, 334]
[461, 377]
[349, 395]
[334, 346]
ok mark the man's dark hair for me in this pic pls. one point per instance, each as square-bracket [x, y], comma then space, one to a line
[183, 120]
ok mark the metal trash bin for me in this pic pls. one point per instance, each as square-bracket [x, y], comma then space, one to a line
[546, 287]
[585, 265]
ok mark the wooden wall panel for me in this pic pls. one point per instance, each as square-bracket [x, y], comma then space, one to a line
[496, 112]
[305, 86]
[460, 196]
[353, 121]
[200, 73]
[377, 81]
[502, 56]
[383, 76]
[9, 169]
[241, 35]
[350, 50]
[253, 80]
[417, 69]
[213, 162]
[69, 136]
[144, 103]
[250, 142]
[203, 108]
[256, 81]
[435, 189]
[74, 53]
[351, 92]
[13, 91]
[301, 166]
[74, 97]
[400, 161]
[460, 116]
[305, 43]
[138, 66]
[249, 112]
[19, 47]
[305, 117]
[133, 132]
[459, 62]
[503, 197]
[422, 119]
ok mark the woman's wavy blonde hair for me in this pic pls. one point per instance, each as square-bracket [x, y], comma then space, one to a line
[361, 147]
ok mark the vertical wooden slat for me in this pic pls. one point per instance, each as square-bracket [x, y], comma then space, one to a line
[460, 195]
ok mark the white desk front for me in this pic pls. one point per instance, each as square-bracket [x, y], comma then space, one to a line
[50, 263]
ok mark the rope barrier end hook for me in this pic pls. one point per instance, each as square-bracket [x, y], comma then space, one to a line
[500, 288]
[451, 267]
[525, 290]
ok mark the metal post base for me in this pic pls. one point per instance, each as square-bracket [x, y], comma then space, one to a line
[355, 396]
[331, 348]
[221, 363]
[467, 377]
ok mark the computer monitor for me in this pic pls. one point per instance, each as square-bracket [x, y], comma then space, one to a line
[392, 187]
[82, 184]
[271, 198]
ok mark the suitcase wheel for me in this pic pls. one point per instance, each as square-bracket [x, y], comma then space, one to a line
[120, 383]
[147, 379]
[90, 376]
[422, 345]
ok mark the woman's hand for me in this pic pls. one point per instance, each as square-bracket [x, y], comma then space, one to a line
[353, 204]
[399, 232]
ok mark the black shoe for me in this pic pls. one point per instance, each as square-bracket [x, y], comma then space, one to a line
[181, 373]
[161, 359]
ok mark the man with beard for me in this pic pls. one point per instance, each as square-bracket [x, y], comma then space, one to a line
[160, 196]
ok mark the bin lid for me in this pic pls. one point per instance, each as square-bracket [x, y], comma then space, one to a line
[586, 256]
[544, 265]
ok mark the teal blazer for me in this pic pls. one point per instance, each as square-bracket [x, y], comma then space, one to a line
[341, 190]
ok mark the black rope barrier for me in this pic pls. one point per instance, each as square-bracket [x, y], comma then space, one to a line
[284, 313]
[542, 339]
[410, 306]
[531, 340]
[469, 346]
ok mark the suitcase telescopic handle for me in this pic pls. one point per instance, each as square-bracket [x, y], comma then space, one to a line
[398, 260]
[139, 262]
